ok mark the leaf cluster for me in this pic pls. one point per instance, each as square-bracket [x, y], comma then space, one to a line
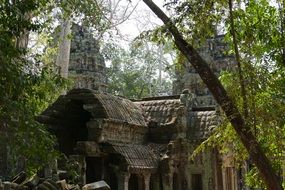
[26, 87]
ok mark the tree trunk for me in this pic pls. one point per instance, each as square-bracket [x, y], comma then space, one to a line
[23, 39]
[209, 78]
[62, 59]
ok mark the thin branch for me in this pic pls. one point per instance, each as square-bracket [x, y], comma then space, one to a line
[237, 55]
[231, 111]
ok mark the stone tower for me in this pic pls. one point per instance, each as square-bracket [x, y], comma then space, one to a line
[214, 53]
[86, 63]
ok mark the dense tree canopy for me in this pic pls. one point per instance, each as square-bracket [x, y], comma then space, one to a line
[25, 89]
[29, 79]
[256, 31]
[141, 71]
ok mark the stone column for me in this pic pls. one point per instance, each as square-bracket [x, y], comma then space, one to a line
[123, 180]
[167, 182]
[179, 180]
[146, 177]
[155, 182]
[140, 182]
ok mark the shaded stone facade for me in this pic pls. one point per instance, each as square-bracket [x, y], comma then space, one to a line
[137, 145]
[214, 52]
[86, 64]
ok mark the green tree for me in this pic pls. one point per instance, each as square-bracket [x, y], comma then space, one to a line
[138, 72]
[26, 87]
[258, 33]
[189, 19]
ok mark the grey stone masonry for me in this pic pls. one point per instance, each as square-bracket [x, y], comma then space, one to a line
[214, 51]
[86, 64]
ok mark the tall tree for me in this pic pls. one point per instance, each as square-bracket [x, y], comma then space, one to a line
[137, 72]
[246, 136]
[25, 89]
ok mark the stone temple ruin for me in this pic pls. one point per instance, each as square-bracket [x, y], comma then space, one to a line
[86, 64]
[144, 144]
[214, 52]
[133, 145]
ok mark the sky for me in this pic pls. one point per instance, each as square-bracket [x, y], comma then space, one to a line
[142, 19]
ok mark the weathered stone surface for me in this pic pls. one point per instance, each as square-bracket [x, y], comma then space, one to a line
[213, 51]
[86, 64]
[19, 178]
[99, 185]
[62, 184]
[11, 186]
[89, 148]
[32, 181]
[73, 187]
[48, 185]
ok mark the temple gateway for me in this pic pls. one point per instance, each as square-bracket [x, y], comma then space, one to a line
[137, 145]
[144, 144]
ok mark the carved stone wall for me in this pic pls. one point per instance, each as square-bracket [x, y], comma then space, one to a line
[214, 52]
[86, 64]
[110, 131]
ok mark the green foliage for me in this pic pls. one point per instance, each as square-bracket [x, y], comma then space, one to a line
[265, 108]
[27, 85]
[260, 31]
[138, 72]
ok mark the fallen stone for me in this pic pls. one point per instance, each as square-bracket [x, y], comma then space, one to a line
[73, 187]
[10, 185]
[99, 185]
[19, 178]
[62, 184]
[32, 181]
[48, 185]
[1, 185]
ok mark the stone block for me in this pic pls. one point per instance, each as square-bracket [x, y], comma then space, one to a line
[89, 148]
[99, 185]
[32, 181]
[62, 184]
[73, 187]
[19, 178]
[10, 185]
[48, 185]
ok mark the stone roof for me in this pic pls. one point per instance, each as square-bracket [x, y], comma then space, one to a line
[137, 157]
[202, 124]
[100, 105]
[161, 111]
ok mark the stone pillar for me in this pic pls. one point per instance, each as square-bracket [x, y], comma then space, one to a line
[185, 181]
[167, 182]
[179, 180]
[140, 182]
[146, 181]
[155, 181]
[123, 180]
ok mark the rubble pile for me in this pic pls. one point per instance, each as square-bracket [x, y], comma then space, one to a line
[22, 182]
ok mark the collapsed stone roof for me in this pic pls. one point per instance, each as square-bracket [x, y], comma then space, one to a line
[161, 111]
[165, 117]
[202, 124]
[137, 157]
[100, 105]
